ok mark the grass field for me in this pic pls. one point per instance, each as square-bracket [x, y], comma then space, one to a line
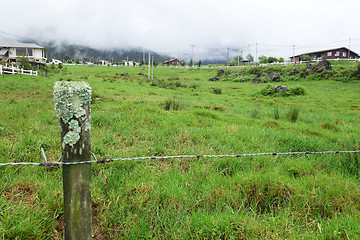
[180, 112]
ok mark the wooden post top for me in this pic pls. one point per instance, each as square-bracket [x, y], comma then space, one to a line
[71, 100]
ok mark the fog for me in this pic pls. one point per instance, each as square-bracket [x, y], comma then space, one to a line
[205, 28]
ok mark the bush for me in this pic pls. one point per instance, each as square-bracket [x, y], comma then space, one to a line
[269, 90]
[297, 91]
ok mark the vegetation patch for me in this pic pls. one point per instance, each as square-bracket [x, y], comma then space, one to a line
[172, 104]
[271, 90]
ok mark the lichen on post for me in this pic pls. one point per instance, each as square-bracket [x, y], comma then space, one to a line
[72, 104]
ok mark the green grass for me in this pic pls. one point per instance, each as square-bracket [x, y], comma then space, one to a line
[265, 197]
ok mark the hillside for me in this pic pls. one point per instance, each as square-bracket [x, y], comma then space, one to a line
[72, 51]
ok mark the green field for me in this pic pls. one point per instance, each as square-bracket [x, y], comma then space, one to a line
[180, 112]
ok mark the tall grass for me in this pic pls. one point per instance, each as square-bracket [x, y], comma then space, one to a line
[293, 114]
[264, 197]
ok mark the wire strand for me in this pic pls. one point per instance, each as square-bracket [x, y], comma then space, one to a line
[105, 160]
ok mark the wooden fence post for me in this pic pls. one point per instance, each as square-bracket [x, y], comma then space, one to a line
[72, 104]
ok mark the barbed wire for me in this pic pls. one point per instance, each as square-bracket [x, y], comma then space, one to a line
[105, 160]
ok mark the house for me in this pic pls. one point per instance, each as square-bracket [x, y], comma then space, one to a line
[335, 53]
[103, 62]
[130, 63]
[11, 50]
[173, 61]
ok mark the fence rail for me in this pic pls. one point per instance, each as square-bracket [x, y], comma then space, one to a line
[13, 70]
[105, 160]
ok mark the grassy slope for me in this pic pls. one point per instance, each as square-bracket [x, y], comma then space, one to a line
[253, 197]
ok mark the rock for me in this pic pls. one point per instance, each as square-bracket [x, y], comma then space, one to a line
[264, 74]
[309, 67]
[323, 65]
[240, 75]
[295, 71]
[125, 74]
[221, 72]
[256, 80]
[229, 76]
[142, 74]
[274, 77]
[279, 88]
[214, 79]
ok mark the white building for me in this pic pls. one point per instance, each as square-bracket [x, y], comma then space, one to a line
[11, 50]
[130, 63]
[55, 61]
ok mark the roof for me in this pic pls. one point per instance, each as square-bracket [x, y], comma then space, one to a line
[326, 50]
[170, 60]
[3, 51]
[16, 44]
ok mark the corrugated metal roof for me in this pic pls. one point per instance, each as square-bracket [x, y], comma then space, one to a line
[16, 44]
[326, 50]
[3, 51]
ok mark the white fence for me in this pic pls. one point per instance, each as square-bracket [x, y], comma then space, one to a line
[14, 70]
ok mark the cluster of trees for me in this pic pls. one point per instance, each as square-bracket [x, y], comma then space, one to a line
[191, 63]
[264, 59]
[238, 60]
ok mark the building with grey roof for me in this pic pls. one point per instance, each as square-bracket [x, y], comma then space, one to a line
[11, 50]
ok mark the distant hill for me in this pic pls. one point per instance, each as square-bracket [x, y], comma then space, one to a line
[66, 51]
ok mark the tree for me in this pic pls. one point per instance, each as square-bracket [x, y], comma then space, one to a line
[263, 59]
[199, 63]
[191, 62]
[183, 63]
[306, 58]
[272, 59]
[24, 63]
[250, 57]
[142, 62]
[237, 59]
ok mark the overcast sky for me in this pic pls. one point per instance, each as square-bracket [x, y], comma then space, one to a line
[173, 27]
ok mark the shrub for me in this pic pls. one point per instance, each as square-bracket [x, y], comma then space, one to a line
[268, 90]
[244, 78]
[297, 91]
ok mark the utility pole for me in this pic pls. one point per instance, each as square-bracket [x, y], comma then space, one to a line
[192, 55]
[227, 56]
[349, 49]
[293, 53]
[152, 66]
[256, 53]
[149, 67]
[238, 61]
